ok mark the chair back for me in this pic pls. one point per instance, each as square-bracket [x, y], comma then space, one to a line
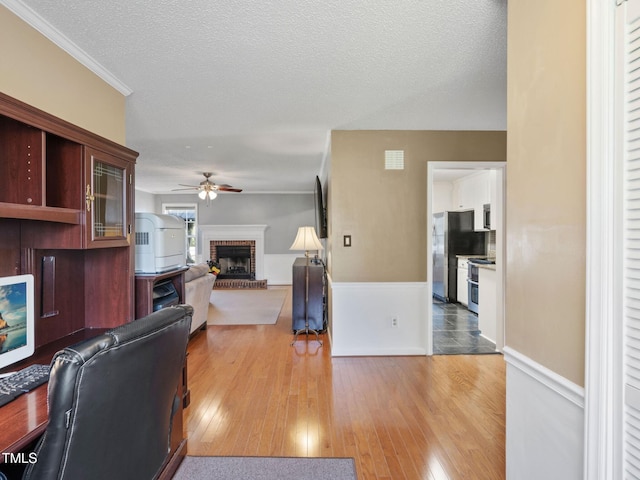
[112, 399]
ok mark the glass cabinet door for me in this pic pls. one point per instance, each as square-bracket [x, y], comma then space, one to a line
[106, 197]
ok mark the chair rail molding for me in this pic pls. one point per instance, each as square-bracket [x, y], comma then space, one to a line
[545, 421]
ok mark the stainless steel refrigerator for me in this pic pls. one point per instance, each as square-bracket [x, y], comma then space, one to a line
[453, 235]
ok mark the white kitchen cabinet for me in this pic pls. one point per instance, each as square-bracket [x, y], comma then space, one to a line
[493, 197]
[487, 303]
[465, 190]
[443, 197]
[463, 292]
[473, 192]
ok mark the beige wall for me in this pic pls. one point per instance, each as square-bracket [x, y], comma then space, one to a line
[546, 184]
[385, 211]
[37, 72]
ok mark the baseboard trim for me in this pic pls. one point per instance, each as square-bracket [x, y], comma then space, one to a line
[378, 352]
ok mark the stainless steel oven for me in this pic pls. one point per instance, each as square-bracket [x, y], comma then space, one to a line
[472, 285]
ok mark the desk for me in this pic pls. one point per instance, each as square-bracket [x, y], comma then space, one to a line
[24, 419]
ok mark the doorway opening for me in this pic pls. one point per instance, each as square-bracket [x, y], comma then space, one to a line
[465, 251]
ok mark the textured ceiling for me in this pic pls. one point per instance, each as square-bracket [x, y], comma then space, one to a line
[251, 90]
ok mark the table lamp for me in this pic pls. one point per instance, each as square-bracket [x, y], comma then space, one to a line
[306, 240]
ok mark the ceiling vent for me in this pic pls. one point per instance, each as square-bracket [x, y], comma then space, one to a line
[394, 159]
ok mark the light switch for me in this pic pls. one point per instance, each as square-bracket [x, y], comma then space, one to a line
[347, 240]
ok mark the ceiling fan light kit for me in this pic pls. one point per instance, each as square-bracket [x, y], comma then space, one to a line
[207, 193]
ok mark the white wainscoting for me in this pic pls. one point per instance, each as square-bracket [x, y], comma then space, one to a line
[545, 422]
[361, 316]
[278, 268]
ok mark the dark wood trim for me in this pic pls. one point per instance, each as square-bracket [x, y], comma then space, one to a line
[37, 212]
[174, 462]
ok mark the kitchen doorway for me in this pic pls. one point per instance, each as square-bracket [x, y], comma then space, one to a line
[477, 189]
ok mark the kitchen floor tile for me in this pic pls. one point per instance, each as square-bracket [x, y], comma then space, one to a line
[455, 331]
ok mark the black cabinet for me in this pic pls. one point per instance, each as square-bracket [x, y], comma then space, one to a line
[316, 295]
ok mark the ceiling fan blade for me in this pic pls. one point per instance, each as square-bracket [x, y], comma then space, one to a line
[208, 186]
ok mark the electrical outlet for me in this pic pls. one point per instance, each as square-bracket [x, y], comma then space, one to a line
[395, 321]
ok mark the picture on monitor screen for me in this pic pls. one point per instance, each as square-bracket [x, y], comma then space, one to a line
[16, 318]
[13, 316]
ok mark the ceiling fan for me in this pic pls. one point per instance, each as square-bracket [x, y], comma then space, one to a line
[207, 189]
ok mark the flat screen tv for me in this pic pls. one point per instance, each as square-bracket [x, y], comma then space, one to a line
[321, 213]
[17, 332]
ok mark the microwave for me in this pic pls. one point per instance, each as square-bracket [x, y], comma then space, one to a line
[486, 217]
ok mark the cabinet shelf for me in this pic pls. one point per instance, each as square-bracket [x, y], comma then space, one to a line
[37, 212]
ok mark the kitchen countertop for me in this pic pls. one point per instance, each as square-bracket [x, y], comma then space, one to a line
[487, 266]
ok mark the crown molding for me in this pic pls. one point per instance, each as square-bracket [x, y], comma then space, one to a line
[29, 16]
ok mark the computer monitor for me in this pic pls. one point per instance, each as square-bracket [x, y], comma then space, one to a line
[17, 328]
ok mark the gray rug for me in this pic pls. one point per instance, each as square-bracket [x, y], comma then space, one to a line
[266, 468]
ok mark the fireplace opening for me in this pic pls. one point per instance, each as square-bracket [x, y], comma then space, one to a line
[235, 261]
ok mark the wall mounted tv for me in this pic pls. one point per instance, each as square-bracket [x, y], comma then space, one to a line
[321, 212]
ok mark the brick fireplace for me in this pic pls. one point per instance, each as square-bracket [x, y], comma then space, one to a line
[252, 236]
[237, 258]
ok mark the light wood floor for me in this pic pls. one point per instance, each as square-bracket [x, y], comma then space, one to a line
[252, 394]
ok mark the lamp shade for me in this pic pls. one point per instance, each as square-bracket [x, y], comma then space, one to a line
[306, 239]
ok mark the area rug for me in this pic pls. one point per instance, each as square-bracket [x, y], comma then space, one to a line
[246, 307]
[265, 468]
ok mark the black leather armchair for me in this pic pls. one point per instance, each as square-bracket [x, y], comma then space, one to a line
[112, 400]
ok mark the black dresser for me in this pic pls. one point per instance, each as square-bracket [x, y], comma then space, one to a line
[316, 295]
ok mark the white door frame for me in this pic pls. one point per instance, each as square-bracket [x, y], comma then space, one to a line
[603, 434]
[500, 168]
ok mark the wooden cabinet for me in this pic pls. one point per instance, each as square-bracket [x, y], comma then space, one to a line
[66, 216]
[40, 174]
[145, 283]
[66, 213]
[107, 200]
